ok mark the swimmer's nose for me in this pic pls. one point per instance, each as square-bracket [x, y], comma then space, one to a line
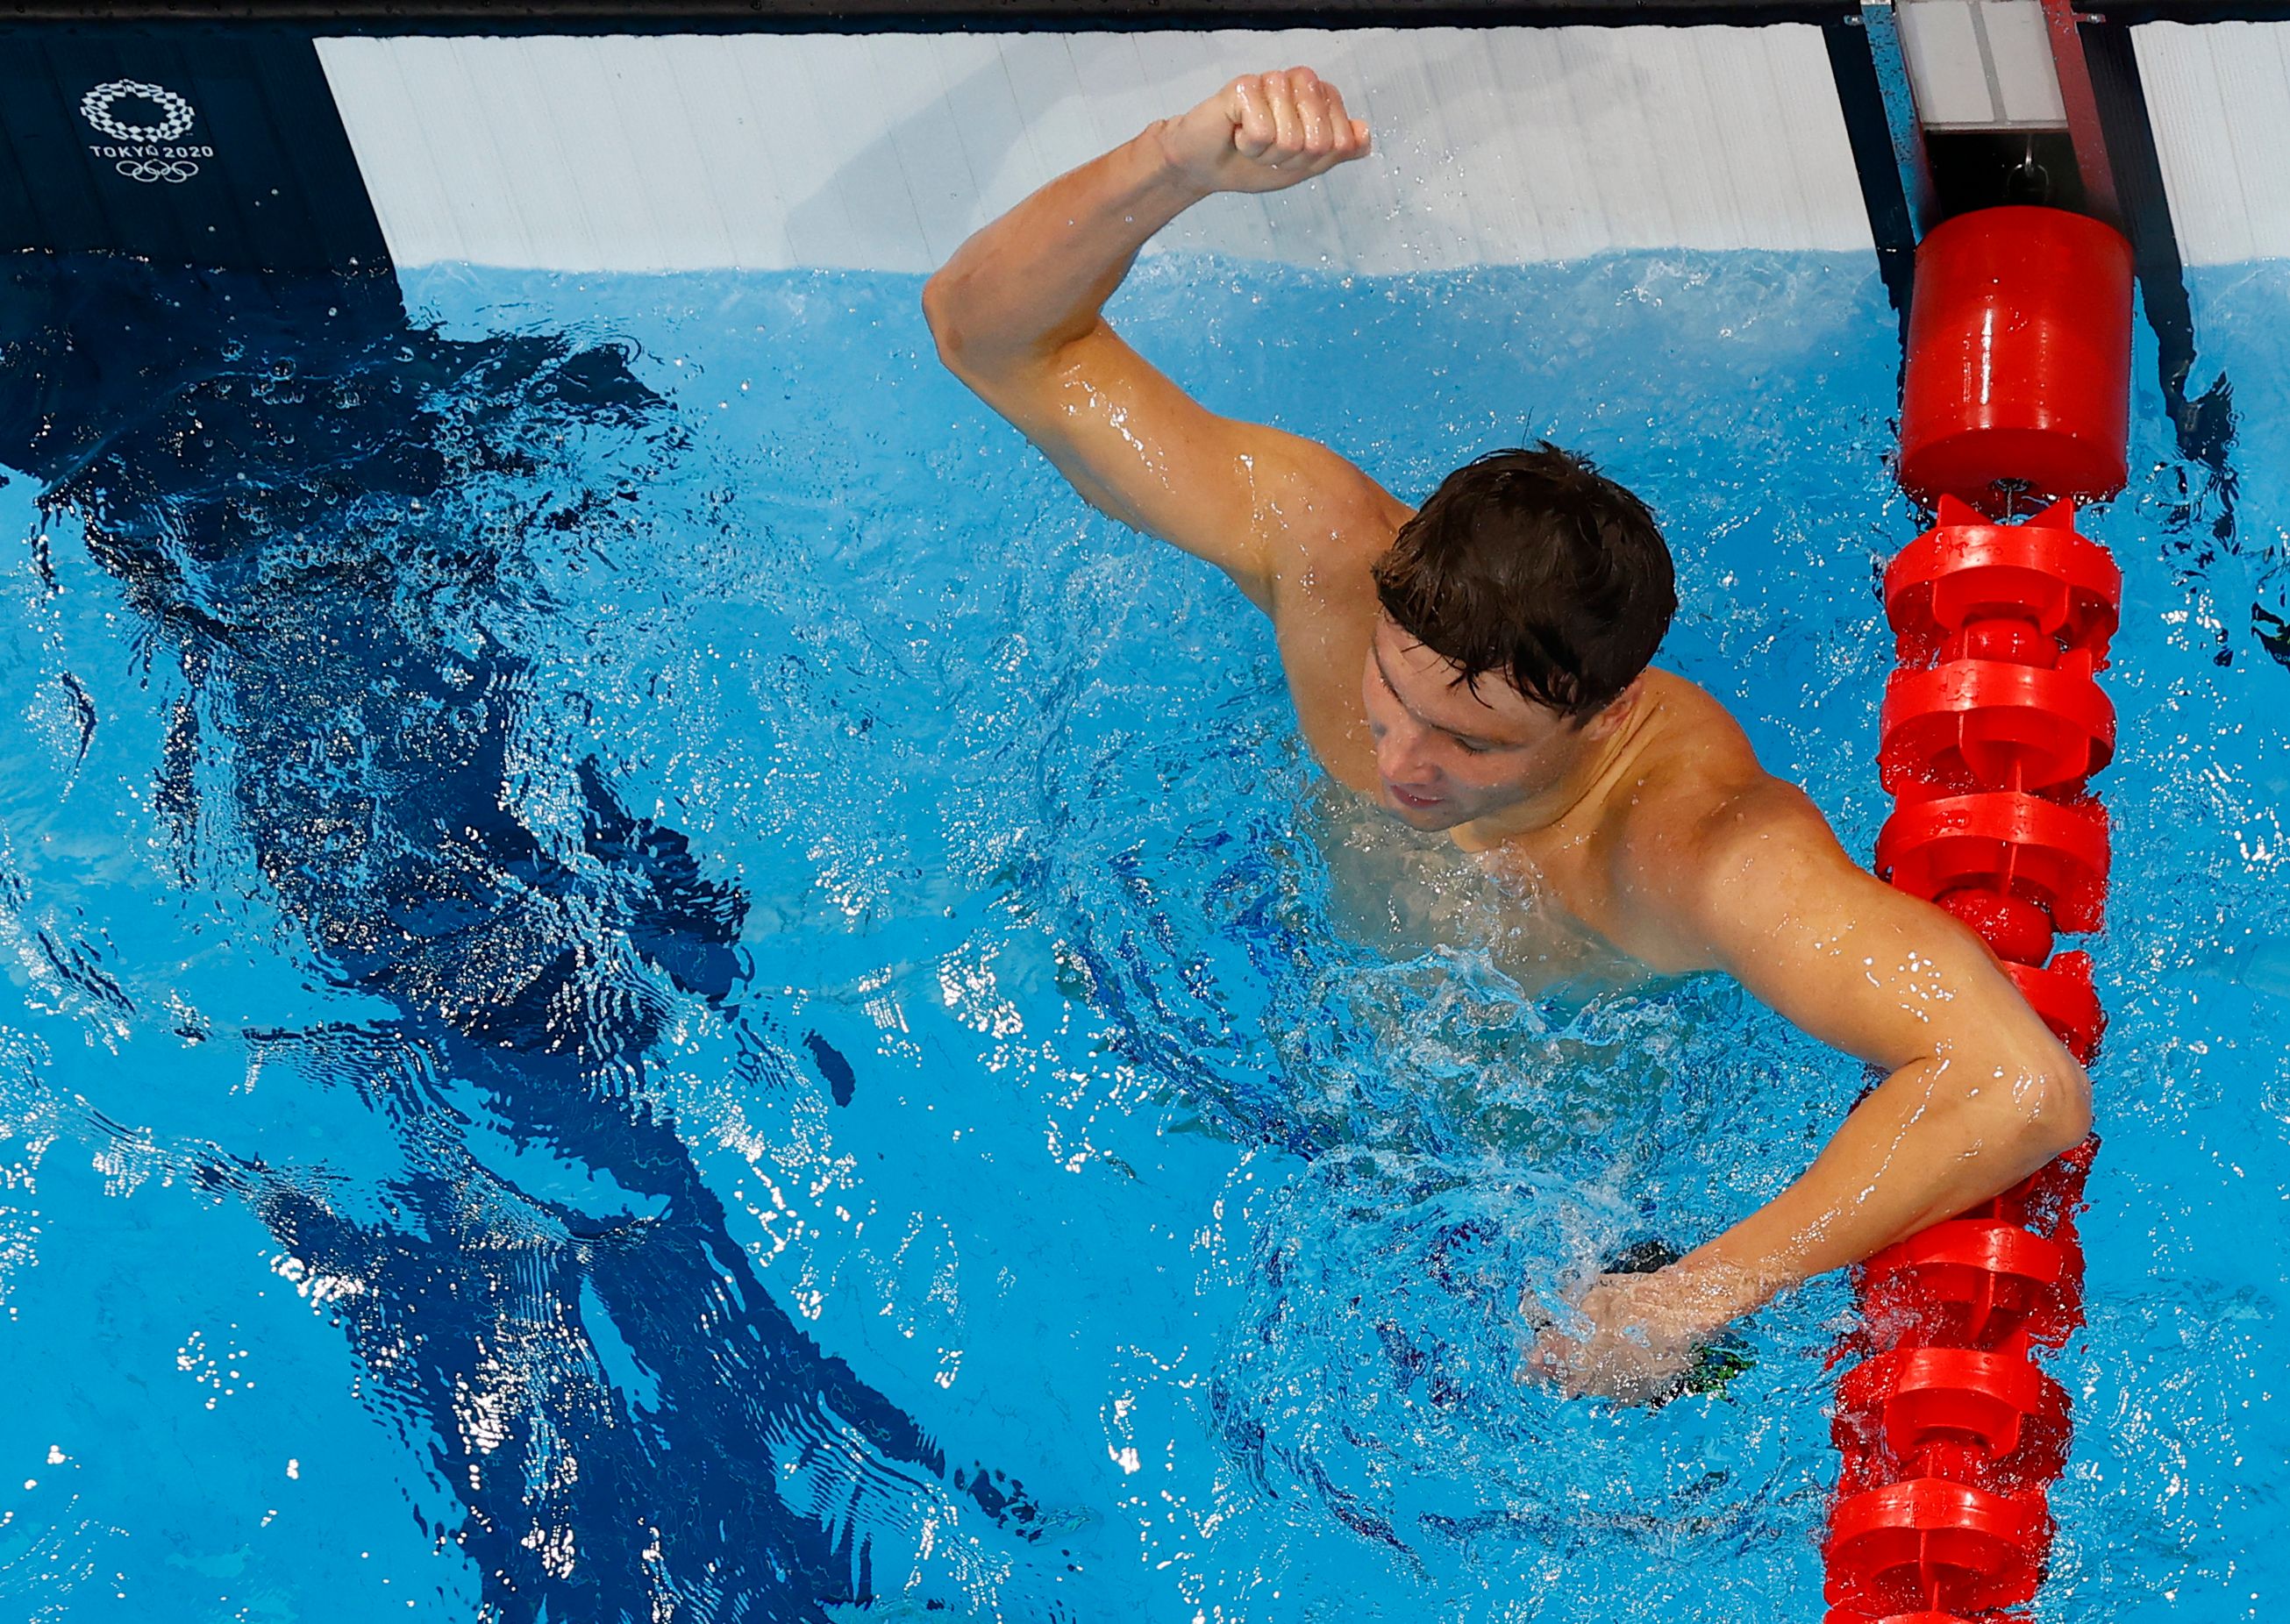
[1400, 758]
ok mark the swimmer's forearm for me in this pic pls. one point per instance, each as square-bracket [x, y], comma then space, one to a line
[1919, 1149]
[1036, 279]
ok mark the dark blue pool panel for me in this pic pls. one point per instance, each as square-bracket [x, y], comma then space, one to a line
[190, 147]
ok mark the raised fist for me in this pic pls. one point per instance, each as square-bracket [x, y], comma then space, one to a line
[1263, 132]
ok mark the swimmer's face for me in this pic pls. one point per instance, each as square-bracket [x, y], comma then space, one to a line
[1447, 755]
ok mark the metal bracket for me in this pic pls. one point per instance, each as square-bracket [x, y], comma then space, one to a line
[1900, 122]
[2085, 129]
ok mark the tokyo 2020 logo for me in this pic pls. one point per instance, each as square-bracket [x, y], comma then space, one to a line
[144, 152]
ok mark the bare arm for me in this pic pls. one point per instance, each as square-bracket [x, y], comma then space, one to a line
[1018, 315]
[1978, 1092]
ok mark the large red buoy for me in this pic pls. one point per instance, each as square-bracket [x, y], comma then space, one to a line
[2019, 359]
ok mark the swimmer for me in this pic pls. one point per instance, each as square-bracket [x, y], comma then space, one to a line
[1480, 665]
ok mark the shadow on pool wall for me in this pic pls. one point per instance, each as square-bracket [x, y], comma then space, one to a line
[243, 456]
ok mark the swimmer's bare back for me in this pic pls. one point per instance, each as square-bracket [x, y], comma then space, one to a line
[1650, 820]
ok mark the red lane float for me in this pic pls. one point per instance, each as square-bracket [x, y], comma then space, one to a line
[2004, 724]
[1966, 570]
[2052, 854]
[1967, 1413]
[1946, 1547]
[1974, 1283]
[2016, 931]
[2017, 383]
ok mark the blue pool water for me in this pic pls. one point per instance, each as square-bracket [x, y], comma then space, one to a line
[651, 978]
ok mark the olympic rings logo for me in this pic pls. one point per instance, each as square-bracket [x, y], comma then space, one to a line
[174, 170]
[95, 107]
[141, 153]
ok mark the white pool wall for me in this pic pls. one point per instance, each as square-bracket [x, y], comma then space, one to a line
[882, 151]
[2218, 95]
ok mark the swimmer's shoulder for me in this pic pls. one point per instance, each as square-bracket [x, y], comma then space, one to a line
[1702, 775]
[1696, 798]
[1694, 746]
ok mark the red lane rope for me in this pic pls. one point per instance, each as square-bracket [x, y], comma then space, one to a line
[2017, 382]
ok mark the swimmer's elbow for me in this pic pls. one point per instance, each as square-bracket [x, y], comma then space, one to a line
[966, 339]
[939, 312]
[2047, 1112]
[2069, 1110]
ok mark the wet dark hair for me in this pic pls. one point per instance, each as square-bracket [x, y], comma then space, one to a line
[1533, 563]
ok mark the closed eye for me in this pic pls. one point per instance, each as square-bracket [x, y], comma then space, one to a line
[1470, 747]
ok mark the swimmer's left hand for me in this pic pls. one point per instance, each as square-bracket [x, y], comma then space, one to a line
[1640, 1336]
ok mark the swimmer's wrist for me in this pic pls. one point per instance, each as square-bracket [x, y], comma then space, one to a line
[1169, 169]
[1710, 1288]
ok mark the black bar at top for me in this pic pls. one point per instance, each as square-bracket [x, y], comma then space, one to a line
[856, 16]
[661, 16]
[658, 16]
[2128, 11]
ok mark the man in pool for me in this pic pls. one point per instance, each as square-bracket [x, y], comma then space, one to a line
[1480, 665]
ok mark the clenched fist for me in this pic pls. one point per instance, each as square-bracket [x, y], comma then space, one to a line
[1263, 132]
